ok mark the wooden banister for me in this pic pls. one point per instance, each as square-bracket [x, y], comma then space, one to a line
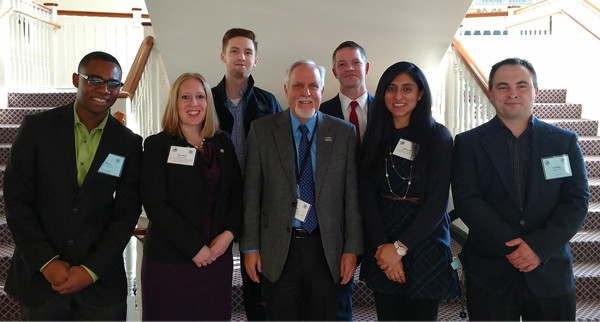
[55, 25]
[472, 67]
[98, 14]
[135, 73]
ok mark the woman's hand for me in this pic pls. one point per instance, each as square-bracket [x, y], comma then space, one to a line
[204, 257]
[387, 257]
[220, 244]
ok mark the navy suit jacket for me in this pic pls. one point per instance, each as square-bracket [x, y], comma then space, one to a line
[485, 199]
[48, 214]
[333, 106]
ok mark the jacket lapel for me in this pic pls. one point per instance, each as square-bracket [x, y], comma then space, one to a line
[493, 142]
[325, 139]
[66, 135]
[540, 136]
[282, 133]
[101, 152]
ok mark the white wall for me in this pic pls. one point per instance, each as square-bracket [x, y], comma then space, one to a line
[189, 34]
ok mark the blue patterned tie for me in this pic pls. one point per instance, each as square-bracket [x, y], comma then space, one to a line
[305, 182]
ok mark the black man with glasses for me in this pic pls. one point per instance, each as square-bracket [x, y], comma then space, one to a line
[71, 201]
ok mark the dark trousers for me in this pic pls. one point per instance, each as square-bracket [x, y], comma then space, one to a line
[254, 300]
[305, 290]
[71, 308]
[344, 299]
[518, 302]
[400, 308]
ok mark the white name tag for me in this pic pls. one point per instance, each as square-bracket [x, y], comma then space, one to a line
[112, 165]
[182, 155]
[302, 209]
[556, 167]
[406, 149]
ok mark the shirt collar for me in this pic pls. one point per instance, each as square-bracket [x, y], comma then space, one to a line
[78, 120]
[310, 124]
[362, 101]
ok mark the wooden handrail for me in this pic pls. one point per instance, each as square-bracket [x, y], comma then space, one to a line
[55, 25]
[591, 5]
[472, 67]
[487, 14]
[135, 73]
[98, 14]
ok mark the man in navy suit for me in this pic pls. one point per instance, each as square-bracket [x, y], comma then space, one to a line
[72, 200]
[520, 185]
[350, 66]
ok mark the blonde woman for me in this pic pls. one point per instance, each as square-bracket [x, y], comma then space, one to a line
[191, 191]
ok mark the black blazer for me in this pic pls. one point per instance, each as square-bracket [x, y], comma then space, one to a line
[174, 198]
[484, 197]
[258, 104]
[333, 106]
[49, 215]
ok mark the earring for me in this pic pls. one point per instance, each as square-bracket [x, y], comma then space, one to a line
[419, 99]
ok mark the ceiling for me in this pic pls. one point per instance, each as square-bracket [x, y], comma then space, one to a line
[188, 34]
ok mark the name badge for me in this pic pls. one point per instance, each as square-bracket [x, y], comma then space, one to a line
[556, 167]
[406, 149]
[182, 155]
[112, 165]
[302, 209]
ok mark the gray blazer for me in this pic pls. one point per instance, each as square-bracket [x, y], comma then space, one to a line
[270, 191]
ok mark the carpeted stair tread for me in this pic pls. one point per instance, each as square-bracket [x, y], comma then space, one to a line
[6, 252]
[53, 99]
[8, 132]
[590, 145]
[585, 246]
[5, 234]
[594, 184]
[592, 165]
[583, 127]
[9, 308]
[592, 221]
[557, 110]
[588, 310]
[551, 96]
[15, 115]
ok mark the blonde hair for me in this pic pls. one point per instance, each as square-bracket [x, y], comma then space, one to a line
[170, 117]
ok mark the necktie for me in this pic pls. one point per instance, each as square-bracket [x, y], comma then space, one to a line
[354, 120]
[305, 182]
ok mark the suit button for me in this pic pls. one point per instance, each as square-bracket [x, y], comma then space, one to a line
[71, 242]
[522, 222]
[75, 211]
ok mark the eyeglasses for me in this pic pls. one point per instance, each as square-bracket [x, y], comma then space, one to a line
[97, 81]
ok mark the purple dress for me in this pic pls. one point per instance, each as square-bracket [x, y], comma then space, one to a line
[182, 291]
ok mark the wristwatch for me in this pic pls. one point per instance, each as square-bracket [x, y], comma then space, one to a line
[400, 250]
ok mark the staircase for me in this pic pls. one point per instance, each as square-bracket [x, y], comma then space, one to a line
[552, 108]
[19, 105]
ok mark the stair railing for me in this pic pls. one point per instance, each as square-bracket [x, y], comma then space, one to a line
[145, 91]
[27, 31]
[464, 91]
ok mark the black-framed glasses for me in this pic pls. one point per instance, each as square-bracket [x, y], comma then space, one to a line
[97, 81]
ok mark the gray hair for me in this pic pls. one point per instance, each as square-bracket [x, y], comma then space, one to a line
[306, 62]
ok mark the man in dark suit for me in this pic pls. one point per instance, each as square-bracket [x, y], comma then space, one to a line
[72, 201]
[350, 66]
[238, 102]
[521, 187]
[302, 227]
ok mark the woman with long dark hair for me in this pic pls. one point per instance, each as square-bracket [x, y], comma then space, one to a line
[405, 161]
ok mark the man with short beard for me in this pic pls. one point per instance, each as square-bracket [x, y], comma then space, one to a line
[302, 227]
